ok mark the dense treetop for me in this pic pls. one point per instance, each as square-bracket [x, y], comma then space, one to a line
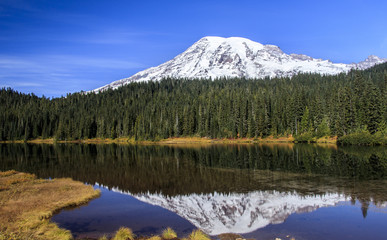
[222, 108]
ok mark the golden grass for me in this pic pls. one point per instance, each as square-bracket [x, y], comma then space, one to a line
[41, 140]
[177, 140]
[198, 235]
[169, 234]
[330, 140]
[279, 139]
[172, 140]
[204, 140]
[229, 236]
[155, 238]
[103, 238]
[27, 204]
[124, 234]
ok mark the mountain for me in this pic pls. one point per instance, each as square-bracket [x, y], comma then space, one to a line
[213, 57]
[241, 213]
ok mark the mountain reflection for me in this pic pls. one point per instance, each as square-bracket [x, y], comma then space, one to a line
[238, 212]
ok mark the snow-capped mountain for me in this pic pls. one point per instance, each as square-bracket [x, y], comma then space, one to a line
[239, 57]
[238, 212]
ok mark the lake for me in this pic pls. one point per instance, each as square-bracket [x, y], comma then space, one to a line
[260, 191]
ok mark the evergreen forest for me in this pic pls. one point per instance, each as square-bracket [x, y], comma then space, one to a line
[306, 106]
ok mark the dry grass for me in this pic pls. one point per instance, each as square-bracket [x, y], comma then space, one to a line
[198, 235]
[203, 140]
[169, 234]
[330, 140]
[186, 140]
[280, 139]
[124, 234]
[177, 140]
[155, 238]
[173, 140]
[229, 236]
[41, 140]
[27, 203]
[103, 238]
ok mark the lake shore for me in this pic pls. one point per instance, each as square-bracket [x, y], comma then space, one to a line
[28, 203]
[176, 140]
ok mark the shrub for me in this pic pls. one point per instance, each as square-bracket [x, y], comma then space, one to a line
[363, 138]
[305, 137]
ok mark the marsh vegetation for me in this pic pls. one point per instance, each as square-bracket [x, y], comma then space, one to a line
[28, 203]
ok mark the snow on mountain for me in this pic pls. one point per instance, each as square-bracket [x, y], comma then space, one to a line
[236, 212]
[371, 61]
[238, 57]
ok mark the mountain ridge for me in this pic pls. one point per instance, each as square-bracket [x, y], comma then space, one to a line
[215, 57]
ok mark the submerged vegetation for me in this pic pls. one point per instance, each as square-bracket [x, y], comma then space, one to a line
[27, 204]
[307, 107]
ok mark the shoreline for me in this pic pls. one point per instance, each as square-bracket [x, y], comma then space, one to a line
[28, 203]
[176, 141]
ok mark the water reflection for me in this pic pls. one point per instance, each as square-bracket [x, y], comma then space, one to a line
[358, 172]
[238, 212]
[245, 186]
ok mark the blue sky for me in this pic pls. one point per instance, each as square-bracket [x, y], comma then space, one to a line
[52, 47]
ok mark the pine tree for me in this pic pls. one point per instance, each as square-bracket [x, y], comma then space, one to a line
[305, 121]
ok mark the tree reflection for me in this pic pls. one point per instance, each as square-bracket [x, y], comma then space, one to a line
[172, 170]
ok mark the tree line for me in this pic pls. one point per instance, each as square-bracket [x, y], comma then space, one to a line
[306, 105]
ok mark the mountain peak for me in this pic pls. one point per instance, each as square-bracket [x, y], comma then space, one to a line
[215, 57]
[370, 61]
[373, 58]
[228, 39]
[234, 42]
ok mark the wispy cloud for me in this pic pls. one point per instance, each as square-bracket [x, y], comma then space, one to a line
[105, 37]
[94, 62]
[28, 84]
[48, 73]
[115, 36]
[53, 63]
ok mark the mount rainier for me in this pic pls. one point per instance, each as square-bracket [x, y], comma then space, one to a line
[214, 57]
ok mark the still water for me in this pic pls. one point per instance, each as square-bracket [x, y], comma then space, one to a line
[259, 191]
